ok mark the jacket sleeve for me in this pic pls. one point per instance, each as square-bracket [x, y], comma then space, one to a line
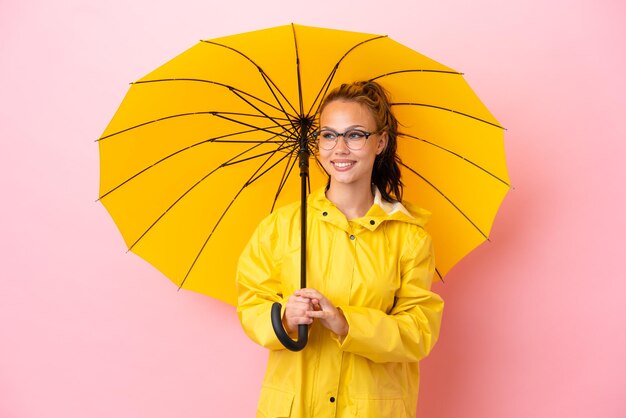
[259, 286]
[409, 331]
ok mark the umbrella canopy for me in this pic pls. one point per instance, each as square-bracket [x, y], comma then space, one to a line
[205, 146]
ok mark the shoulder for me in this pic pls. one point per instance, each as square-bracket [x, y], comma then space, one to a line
[402, 212]
[279, 218]
[410, 225]
[420, 215]
[413, 234]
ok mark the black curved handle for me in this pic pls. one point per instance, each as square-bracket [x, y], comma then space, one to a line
[283, 337]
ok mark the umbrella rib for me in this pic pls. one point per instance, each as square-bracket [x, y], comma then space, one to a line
[288, 133]
[416, 71]
[273, 86]
[286, 173]
[270, 153]
[255, 176]
[229, 87]
[287, 155]
[299, 77]
[456, 112]
[289, 147]
[288, 169]
[312, 149]
[456, 155]
[180, 115]
[448, 199]
[321, 167]
[324, 89]
[266, 115]
[206, 141]
[319, 164]
[266, 79]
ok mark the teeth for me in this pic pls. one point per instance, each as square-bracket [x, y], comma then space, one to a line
[343, 164]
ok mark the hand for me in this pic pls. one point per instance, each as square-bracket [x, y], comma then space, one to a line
[321, 308]
[295, 314]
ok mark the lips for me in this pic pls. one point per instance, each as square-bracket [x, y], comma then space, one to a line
[342, 164]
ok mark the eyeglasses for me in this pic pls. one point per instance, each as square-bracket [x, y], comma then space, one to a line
[354, 138]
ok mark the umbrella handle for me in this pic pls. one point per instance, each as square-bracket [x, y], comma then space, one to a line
[277, 320]
[283, 337]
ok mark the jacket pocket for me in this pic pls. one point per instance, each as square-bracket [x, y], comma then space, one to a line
[274, 403]
[380, 408]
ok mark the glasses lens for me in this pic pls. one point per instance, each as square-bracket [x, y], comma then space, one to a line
[327, 139]
[355, 138]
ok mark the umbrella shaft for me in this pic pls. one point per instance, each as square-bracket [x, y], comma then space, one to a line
[304, 179]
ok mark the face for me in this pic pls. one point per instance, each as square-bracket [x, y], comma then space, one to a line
[346, 166]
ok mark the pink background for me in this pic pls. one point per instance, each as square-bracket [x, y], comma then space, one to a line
[534, 324]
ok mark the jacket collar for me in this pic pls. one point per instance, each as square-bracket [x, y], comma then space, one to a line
[381, 211]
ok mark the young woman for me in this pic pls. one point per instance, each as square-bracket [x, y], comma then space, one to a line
[368, 302]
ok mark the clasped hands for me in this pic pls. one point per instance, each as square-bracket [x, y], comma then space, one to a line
[307, 304]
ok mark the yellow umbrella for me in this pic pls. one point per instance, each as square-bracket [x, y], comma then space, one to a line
[205, 146]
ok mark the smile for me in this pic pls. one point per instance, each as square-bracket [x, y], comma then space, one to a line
[343, 164]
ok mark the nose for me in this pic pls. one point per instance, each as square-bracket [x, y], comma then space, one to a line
[342, 145]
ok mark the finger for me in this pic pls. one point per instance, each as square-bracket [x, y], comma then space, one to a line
[321, 303]
[292, 324]
[302, 320]
[298, 295]
[304, 291]
[318, 314]
[296, 310]
[298, 299]
[311, 294]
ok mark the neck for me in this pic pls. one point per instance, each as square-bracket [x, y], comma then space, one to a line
[353, 202]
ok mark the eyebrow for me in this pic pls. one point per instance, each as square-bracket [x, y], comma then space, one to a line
[347, 129]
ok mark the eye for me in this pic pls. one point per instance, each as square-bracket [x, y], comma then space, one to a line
[328, 135]
[355, 134]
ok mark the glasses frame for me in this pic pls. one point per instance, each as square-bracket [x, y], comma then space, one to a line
[343, 135]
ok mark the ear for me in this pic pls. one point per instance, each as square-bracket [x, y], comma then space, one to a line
[383, 138]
